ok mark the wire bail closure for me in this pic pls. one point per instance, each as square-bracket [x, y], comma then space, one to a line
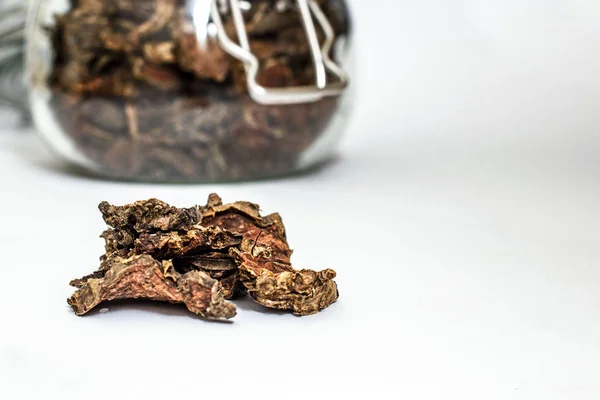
[321, 60]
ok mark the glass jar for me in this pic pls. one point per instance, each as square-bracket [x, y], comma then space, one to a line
[189, 90]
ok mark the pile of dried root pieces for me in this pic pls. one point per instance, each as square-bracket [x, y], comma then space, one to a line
[201, 257]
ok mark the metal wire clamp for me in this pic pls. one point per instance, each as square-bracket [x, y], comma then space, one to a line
[320, 55]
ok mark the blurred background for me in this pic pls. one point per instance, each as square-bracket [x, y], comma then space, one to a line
[12, 40]
[464, 73]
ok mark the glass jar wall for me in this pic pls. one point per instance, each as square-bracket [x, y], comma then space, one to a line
[189, 90]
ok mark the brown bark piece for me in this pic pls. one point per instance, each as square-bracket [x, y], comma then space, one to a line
[219, 266]
[149, 216]
[169, 233]
[159, 52]
[200, 256]
[263, 259]
[117, 239]
[243, 218]
[207, 62]
[196, 241]
[142, 277]
[160, 77]
[277, 285]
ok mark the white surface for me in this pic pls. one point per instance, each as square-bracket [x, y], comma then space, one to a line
[462, 217]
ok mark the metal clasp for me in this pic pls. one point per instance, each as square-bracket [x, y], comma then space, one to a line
[322, 62]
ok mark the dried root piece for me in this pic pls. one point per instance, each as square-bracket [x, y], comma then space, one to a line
[243, 218]
[219, 266]
[263, 259]
[118, 242]
[277, 285]
[200, 256]
[154, 75]
[159, 52]
[155, 228]
[142, 277]
[203, 249]
[206, 62]
[131, 221]
[149, 216]
[163, 246]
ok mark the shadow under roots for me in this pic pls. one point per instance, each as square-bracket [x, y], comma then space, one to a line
[155, 307]
[246, 303]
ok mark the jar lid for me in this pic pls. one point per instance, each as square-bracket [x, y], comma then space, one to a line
[309, 12]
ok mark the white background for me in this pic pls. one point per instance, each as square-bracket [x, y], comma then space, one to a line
[462, 215]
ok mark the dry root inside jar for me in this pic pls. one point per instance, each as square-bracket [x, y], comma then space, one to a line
[141, 97]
